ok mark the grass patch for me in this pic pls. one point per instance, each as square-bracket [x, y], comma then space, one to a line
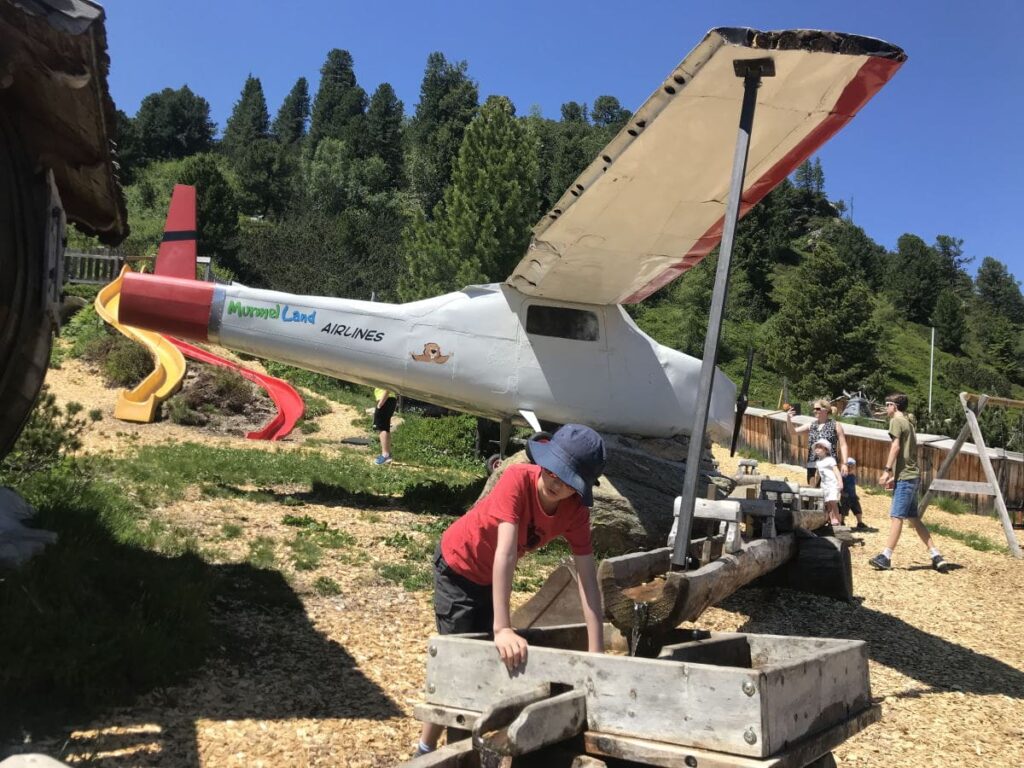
[231, 530]
[306, 553]
[162, 472]
[972, 540]
[325, 586]
[261, 552]
[99, 616]
[446, 441]
[534, 569]
[320, 532]
[325, 386]
[316, 407]
[951, 504]
[412, 576]
[752, 453]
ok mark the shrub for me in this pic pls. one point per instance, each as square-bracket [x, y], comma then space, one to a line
[51, 432]
[179, 412]
[316, 407]
[127, 363]
[222, 388]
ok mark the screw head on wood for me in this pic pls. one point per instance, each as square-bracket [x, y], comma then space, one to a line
[748, 688]
[749, 736]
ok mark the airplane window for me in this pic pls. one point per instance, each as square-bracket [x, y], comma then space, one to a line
[562, 322]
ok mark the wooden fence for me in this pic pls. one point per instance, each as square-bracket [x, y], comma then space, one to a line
[100, 267]
[766, 432]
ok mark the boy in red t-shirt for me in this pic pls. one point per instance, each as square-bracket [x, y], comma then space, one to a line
[528, 507]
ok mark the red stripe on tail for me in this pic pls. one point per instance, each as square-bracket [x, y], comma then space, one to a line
[177, 254]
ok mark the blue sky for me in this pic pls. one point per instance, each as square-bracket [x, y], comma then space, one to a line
[936, 152]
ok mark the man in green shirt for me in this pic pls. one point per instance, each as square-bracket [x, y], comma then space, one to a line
[901, 470]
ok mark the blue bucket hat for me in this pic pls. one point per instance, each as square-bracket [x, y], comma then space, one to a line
[575, 453]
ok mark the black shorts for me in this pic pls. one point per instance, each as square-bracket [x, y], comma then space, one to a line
[382, 416]
[460, 605]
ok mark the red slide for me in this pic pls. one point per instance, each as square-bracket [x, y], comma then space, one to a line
[290, 405]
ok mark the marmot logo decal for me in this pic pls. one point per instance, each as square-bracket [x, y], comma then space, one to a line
[431, 354]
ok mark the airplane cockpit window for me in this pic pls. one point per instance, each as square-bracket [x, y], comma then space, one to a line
[562, 322]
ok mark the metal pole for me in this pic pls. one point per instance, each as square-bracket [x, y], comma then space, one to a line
[751, 70]
[931, 367]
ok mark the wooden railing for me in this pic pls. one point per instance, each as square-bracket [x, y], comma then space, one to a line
[99, 267]
[766, 433]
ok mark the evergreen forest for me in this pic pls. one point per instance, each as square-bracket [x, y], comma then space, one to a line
[348, 193]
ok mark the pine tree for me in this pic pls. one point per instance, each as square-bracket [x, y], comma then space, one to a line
[608, 113]
[804, 177]
[824, 337]
[948, 319]
[859, 253]
[263, 171]
[488, 209]
[997, 289]
[291, 120]
[572, 148]
[340, 104]
[216, 208]
[818, 178]
[950, 251]
[914, 278]
[384, 131]
[249, 121]
[448, 102]
[173, 124]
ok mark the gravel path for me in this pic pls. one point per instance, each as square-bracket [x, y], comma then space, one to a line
[319, 681]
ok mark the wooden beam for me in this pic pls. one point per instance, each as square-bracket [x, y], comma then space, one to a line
[962, 486]
[1005, 402]
[798, 755]
[672, 597]
[458, 755]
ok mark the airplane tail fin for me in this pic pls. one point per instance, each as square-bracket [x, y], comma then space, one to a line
[177, 254]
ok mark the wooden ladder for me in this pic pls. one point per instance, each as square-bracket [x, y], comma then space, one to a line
[991, 487]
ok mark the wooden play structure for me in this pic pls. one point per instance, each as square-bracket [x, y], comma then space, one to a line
[710, 699]
[973, 405]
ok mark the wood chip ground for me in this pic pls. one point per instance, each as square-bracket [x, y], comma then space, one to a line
[334, 682]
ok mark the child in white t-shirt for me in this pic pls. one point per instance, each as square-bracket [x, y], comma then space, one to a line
[830, 477]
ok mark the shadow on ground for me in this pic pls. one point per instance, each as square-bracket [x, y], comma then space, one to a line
[936, 662]
[93, 626]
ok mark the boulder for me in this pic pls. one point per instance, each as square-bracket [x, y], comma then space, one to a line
[633, 504]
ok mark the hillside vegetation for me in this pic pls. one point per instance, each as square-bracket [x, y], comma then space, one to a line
[343, 193]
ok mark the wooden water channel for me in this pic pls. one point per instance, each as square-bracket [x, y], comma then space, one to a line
[709, 699]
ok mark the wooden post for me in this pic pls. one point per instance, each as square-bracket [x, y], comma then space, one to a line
[990, 475]
[974, 429]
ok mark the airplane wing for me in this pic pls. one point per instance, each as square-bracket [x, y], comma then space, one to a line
[651, 205]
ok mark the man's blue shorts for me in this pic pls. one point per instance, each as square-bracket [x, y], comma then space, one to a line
[904, 499]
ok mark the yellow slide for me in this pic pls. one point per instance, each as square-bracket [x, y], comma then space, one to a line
[140, 404]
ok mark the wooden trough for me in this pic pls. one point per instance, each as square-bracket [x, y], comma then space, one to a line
[707, 699]
[645, 599]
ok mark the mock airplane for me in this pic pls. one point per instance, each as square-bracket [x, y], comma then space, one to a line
[553, 343]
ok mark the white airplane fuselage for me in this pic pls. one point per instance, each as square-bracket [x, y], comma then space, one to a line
[488, 350]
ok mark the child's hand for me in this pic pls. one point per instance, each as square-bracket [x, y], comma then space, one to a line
[511, 647]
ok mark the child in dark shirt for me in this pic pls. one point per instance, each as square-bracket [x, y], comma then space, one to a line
[848, 501]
